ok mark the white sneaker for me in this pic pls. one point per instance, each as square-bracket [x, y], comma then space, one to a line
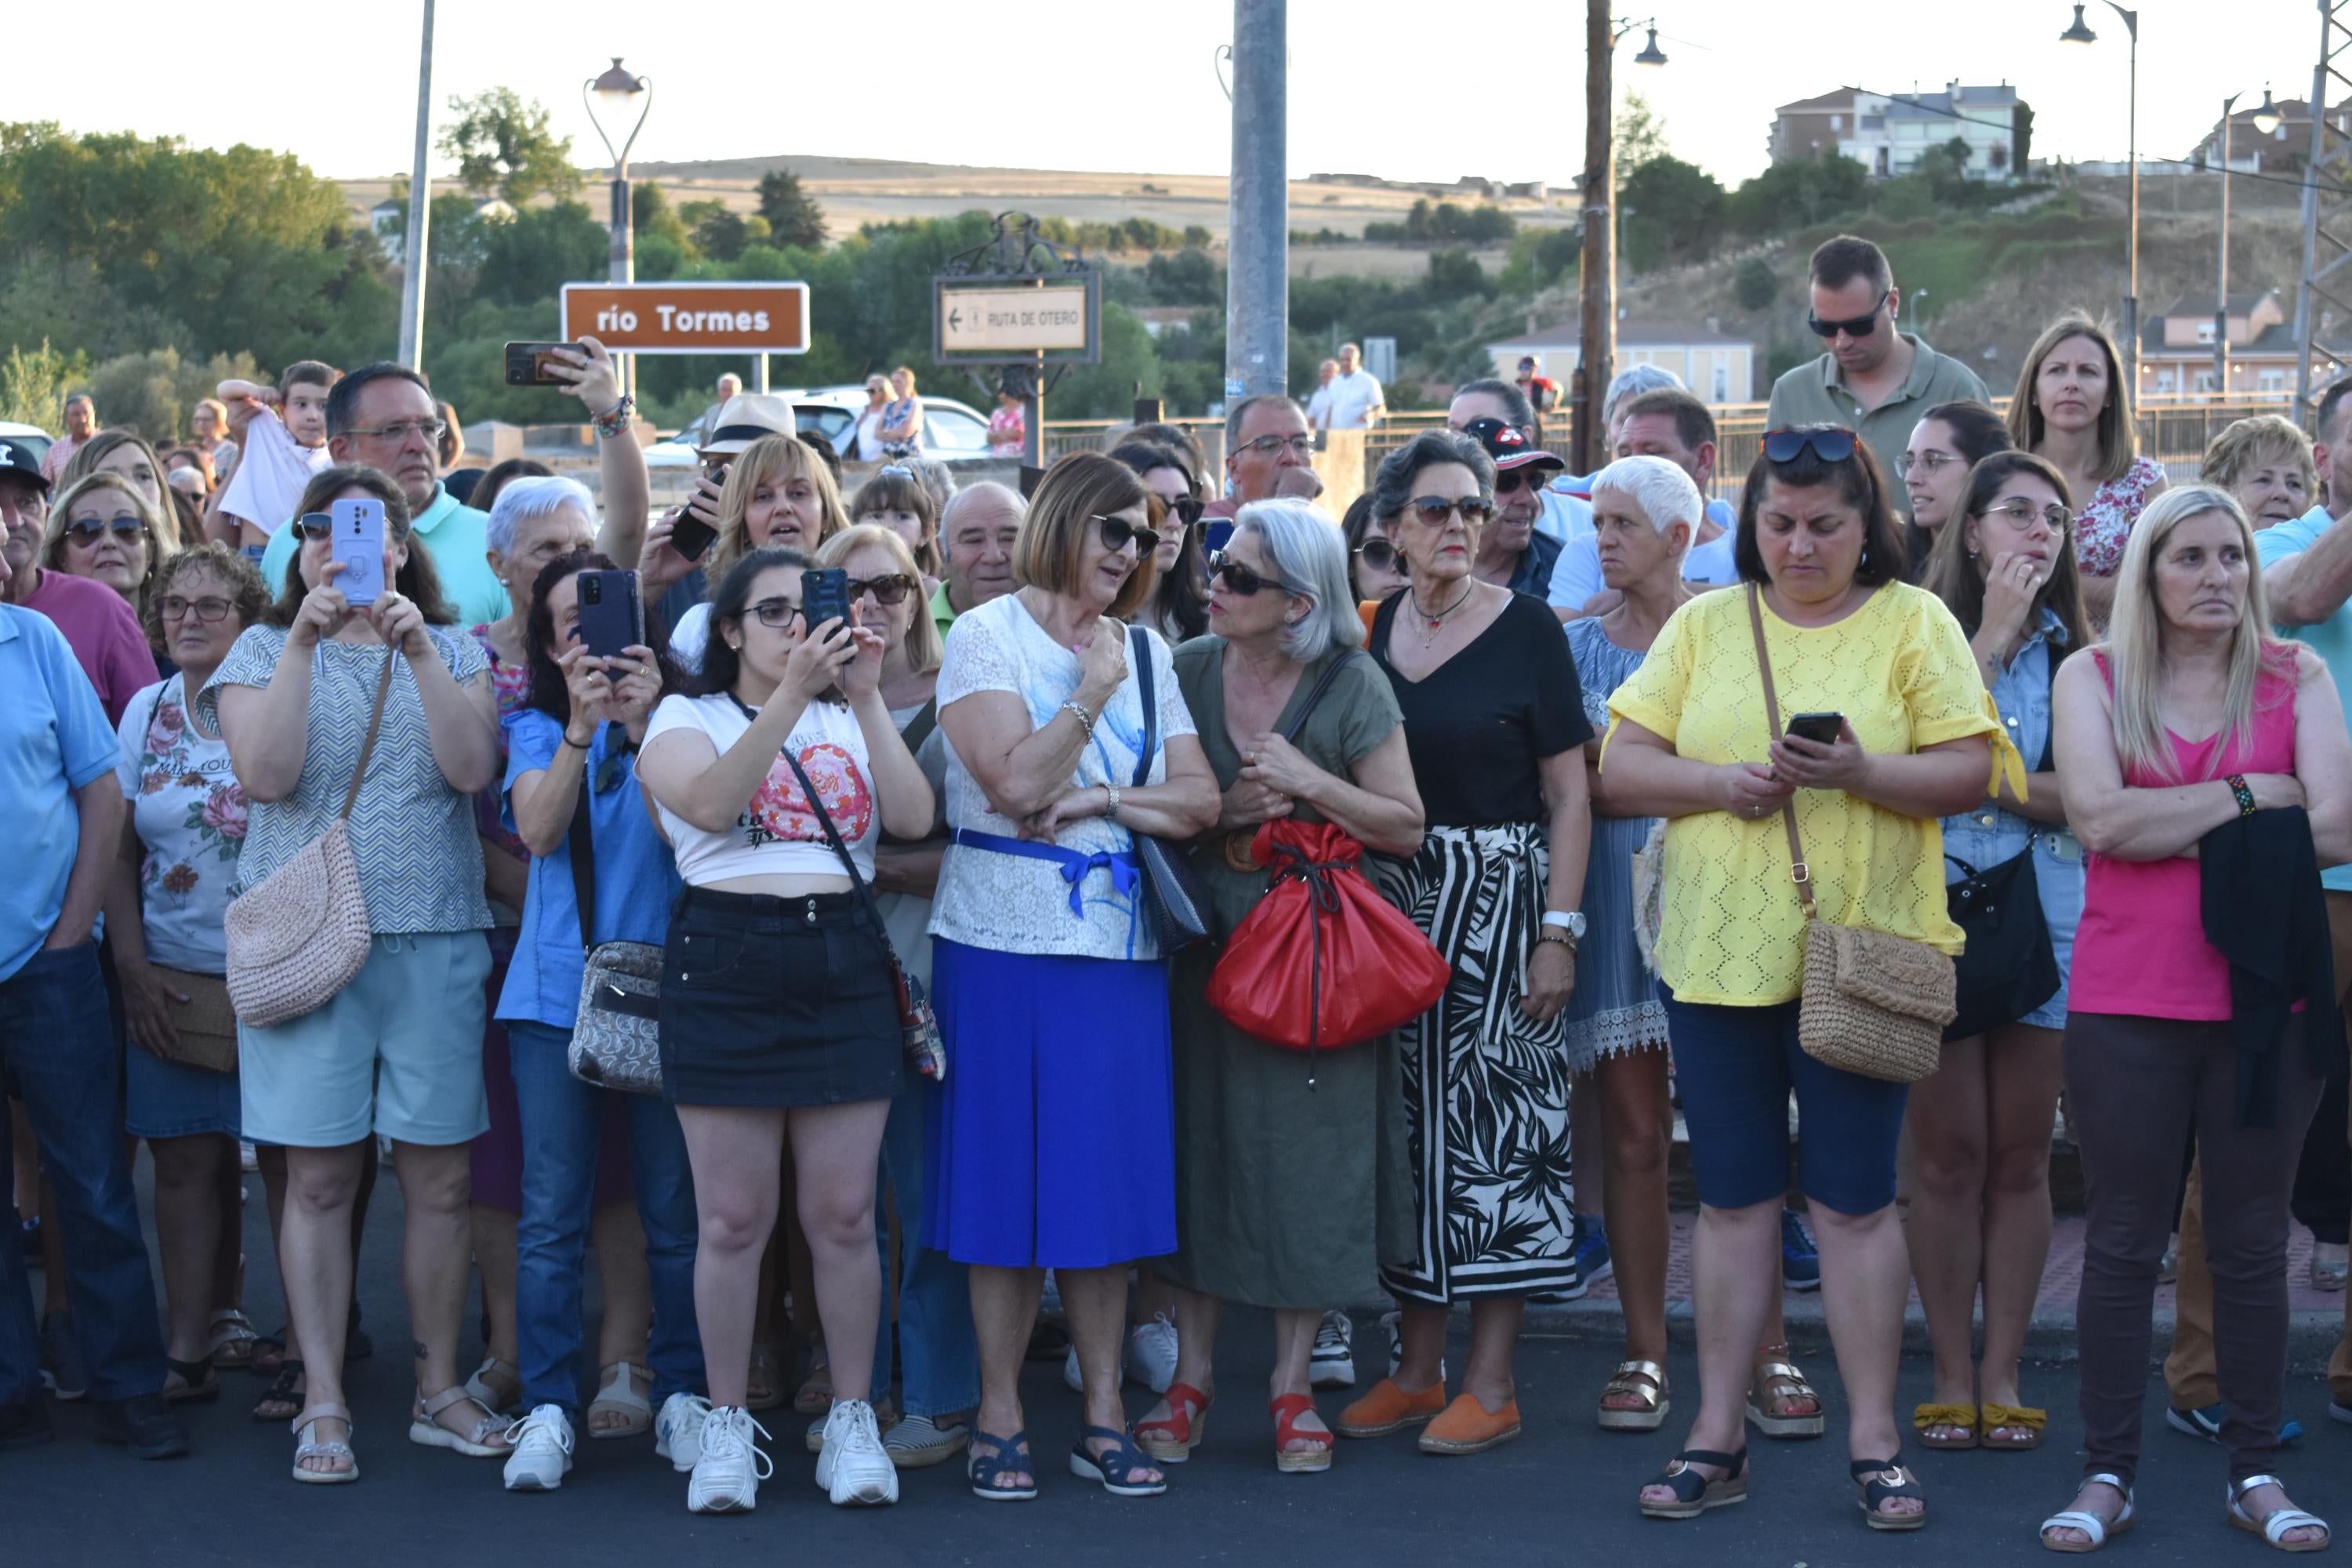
[677, 1431]
[542, 1451]
[1151, 1353]
[1071, 1376]
[854, 1468]
[1332, 1363]
[727, 1477]
[1393, 1321]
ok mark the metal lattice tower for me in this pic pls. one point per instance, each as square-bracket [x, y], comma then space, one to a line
[2323, 306]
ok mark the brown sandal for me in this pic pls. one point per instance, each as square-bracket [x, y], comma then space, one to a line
[1778, 1383]
[1642, 1380]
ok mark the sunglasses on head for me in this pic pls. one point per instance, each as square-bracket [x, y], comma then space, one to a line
[1242, 580]
[1830, 446]
[893, 471]
[88, 531]
[890, 590]
[1859, 327]
[1378, 553]
[1117, 530]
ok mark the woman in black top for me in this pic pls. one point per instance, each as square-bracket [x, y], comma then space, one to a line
[1495, 725]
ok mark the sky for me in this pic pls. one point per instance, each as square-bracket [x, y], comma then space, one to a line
[1376, 86]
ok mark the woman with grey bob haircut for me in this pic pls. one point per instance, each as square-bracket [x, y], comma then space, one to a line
[1291, 1175]
[532, 497]
[1392, 485]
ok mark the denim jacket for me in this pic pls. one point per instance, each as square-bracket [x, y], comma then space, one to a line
[1987, 833]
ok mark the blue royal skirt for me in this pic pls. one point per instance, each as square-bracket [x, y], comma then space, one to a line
[1054, 1145]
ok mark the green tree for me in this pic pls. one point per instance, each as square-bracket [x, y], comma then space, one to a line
[1456, 274]
[153, 391]
[1638, 136]
[2021, 137]
[794, 216]
[652, 217]
[33, 386]
[503, 144]
[1675, 212]
[1755, 285]
[1798, 193]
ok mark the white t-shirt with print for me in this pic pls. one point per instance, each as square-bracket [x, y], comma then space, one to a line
[1012, 903]
[189, 813]
[777, 834]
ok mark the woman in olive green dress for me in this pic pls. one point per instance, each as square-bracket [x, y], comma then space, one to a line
[1291, 1179]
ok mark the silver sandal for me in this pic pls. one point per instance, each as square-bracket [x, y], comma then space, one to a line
[476, 1442]
[307, 1449]
[2274, 1526]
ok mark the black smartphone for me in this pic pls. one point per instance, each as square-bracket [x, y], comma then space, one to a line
[691, 536]
[612, 614]
[824, 595]
[527, 364]
[1822, 729]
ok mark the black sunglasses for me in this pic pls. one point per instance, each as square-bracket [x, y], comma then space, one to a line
[1378, 553]
[1508, 482]
[1830, 446]
[1188, 509]
[1859, 327]
[87, 530]
[890, 590]
[1240, 579]
[1117, 530]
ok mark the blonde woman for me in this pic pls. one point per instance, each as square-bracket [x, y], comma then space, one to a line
[778, 492]
[2265, 463]
[902, 420]
[2072, 406]
[106, 529]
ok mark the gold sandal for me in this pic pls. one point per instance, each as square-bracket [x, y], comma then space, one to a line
[1926, 1418]
[1779, 1382]
[2023, 1422]
[1643, 1380]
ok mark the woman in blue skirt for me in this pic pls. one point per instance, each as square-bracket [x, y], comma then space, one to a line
[1055, 1144]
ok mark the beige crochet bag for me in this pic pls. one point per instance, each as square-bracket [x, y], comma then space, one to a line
[299, 935]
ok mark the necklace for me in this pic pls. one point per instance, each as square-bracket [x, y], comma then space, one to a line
[1437, 619]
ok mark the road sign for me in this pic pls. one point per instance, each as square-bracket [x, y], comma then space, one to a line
[690, 317]
[980, 318]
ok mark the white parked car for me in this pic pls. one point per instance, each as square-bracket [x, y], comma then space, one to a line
[952, 432]
[40, 441]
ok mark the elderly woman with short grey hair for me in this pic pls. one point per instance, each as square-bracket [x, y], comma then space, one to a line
[1496, 728]
[1290, 1171]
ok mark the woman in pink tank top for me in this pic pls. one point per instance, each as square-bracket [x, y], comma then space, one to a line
[2189, 717]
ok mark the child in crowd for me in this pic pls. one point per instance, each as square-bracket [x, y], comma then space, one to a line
[897, 499]
[283, 430]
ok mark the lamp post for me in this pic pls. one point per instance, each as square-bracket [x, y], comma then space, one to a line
[615, 90]
[1597, 349]
[2080, 33]
[420, 213]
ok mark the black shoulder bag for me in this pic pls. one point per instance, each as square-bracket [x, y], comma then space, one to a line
[1172, 897]
[2008, 967]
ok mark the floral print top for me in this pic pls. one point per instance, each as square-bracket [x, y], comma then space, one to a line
[2105, 521]
[189, 813]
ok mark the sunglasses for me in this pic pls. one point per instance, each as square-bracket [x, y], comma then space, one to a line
[88, 531]
[1830, 445]
[1517, 479]
[314, 525]
[1188, 509]
[1859, 327]
[1434, 510]
[774, 613]
[1378, 553]
[890, 590]
[1240, 579]
[1117, 530]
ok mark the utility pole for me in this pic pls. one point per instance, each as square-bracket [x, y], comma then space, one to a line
[2222, 294]
[420, 213]
[1257, 246]
[1597, 349]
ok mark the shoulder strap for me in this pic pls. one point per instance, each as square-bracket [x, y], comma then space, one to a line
[833, 836]
[2049, 734]
[1139, 649]
[584, 858]
[1322, 684]
[918, 729]
[375, 722]
[1801, 873]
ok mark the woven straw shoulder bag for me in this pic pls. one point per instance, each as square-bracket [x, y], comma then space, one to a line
[1873, 1003]
[299, 935]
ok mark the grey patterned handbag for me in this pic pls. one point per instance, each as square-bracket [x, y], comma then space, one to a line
[615, 1044]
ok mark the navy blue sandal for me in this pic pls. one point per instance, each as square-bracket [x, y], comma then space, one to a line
[1118, 1465]
[1006, 1456]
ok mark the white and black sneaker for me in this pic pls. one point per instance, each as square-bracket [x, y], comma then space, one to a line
[727, 1477]
[540, 1455]
[1393, 1321]
[1333, 1363]
[1151, 1353]
[678, 1430]
[854, 1468]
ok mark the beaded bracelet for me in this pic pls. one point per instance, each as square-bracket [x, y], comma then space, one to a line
[1086, 720]
[2237, 782]
[616, 421]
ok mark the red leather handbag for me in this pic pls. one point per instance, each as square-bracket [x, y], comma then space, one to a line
[1323, 960]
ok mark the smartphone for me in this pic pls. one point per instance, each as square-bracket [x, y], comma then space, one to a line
[530, 364]
[611, 614]
[691, 536]
[1821, 728]
[358, 545]
[825, 596]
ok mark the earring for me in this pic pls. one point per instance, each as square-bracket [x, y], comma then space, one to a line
[1865, 555]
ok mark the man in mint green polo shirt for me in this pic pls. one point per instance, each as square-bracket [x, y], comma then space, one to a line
[1875, 381]
[2307, 576]
[976, 534]
[384, 415]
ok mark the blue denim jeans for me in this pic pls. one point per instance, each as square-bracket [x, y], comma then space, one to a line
[561, 1119]
[936, 1341]
[58, 1055]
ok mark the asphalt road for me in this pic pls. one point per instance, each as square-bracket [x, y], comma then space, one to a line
[1562, 1494]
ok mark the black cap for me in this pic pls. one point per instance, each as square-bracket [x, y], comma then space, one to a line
[1509, 445]
[18, 458]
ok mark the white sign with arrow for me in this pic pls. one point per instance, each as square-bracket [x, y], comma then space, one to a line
[991, 317]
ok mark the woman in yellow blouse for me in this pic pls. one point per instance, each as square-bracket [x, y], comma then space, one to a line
[1690, 741]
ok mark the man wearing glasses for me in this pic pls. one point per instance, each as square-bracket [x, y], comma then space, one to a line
[384, 415]
[1875, 380]
[1267, 442]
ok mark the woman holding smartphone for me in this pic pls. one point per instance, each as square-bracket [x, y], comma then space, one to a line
[779, 1008]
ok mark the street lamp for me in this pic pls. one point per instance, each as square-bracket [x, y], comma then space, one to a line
[2265, 120]
[615, 90]
[2080, 33]
[1650, 54]
[1597, 333]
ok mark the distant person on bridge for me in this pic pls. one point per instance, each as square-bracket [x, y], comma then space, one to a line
[729, 385]
[81, 424]
[1356, 401]
[1319, 402]
[902, 419]
[1542, 392]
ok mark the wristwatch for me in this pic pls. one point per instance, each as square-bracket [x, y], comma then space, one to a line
[1569, 920]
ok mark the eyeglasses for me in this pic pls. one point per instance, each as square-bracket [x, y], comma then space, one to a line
[1929, 463]
[2021, 515]
[209, 609]
[1830, 446]
[890, 590]
[1859, 327]
[1242, 580]
[1117, 530]
[431, 429]
[1268, 446]
[85, 531]
[776, 614]
[1378, 553]
[1434, 510]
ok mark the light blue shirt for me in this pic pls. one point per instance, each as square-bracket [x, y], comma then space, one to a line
[54, 739]
[2331, 639]
[455, 535]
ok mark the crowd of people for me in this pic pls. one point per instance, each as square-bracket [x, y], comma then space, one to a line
[906, 841]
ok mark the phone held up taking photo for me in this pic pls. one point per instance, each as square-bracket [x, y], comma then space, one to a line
[612, 613]
[825, 596]
[358, 545]
[534, 365]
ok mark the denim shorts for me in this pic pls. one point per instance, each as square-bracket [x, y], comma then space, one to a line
[1988, 836]
[1735, 1067]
